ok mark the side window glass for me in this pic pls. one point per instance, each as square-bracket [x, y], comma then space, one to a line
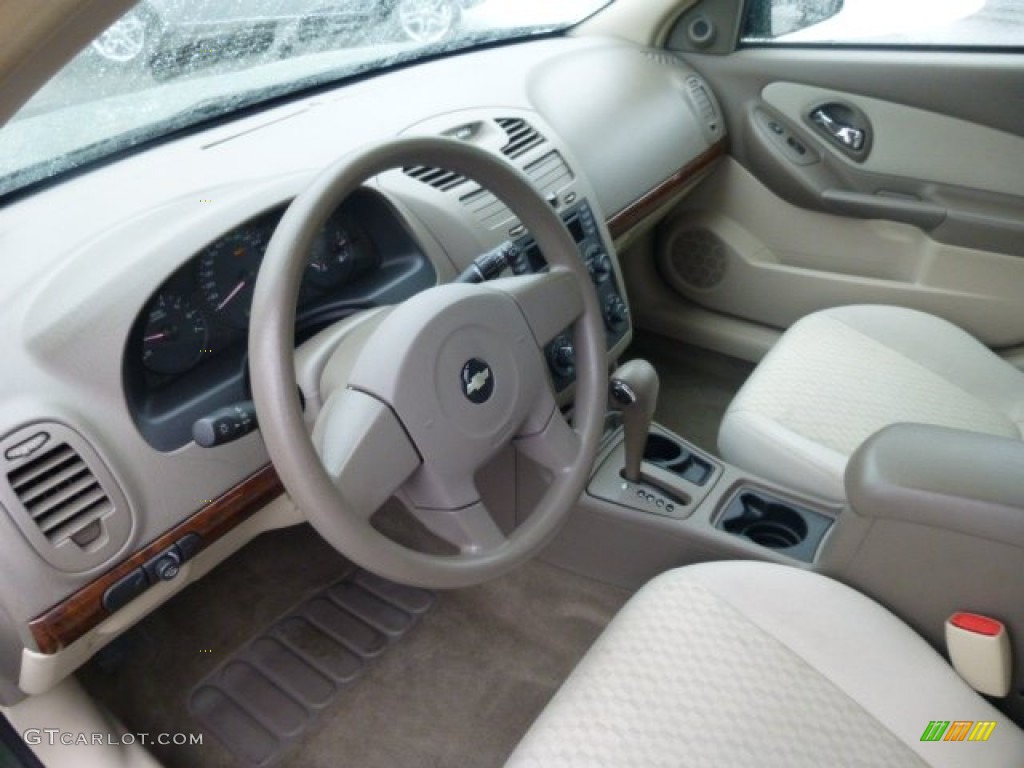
[925, 23]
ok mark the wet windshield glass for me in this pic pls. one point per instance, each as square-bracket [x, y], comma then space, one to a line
[171, 64]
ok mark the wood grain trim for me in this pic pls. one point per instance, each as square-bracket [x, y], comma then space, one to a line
[69, 620]
[640, 209]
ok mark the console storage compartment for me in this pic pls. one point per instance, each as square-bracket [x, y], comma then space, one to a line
[939, 477]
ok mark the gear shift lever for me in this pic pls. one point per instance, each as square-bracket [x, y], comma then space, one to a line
[634, 390]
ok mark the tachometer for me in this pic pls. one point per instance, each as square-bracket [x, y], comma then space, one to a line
[332, 257]
[227, 274]
[174, 337]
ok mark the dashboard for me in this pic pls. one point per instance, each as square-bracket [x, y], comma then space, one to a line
[129, 323]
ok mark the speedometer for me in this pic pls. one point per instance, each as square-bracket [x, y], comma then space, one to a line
[227, 274]
[174, 336]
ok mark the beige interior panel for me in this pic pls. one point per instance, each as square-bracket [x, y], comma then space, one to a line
[918, 144]
[68, 709]
[658, 307]
[42, 672]
[780, 262]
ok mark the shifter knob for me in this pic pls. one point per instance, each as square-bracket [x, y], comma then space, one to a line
[634, 390]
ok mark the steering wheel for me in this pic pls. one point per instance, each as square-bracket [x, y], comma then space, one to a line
[448, 379]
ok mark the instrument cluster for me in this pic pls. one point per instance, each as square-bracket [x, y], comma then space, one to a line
[186, 357]
[205, 308]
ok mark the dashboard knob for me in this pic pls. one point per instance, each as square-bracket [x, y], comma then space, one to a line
[165, 566]
[598, 264]
[168, 568]
[616, 314]
[562, 357]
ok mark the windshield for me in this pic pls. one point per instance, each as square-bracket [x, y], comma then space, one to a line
[167, 65]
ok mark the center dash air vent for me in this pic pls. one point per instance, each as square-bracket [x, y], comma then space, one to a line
[60, 492]
[438, 178]
[522, 137]
[62, 497]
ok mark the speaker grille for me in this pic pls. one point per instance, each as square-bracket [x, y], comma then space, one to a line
[698, 258]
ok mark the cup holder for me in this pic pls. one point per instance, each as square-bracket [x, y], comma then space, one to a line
[667, 453]
[775, 524]
[768, 524]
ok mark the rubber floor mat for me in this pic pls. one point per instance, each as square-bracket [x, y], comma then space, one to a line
[264, 697]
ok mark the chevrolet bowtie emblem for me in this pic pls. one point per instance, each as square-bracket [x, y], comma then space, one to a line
[477, 381]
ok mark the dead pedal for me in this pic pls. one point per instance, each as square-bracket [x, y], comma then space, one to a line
[265, 696]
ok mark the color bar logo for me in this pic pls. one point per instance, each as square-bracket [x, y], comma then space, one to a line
[958, 730]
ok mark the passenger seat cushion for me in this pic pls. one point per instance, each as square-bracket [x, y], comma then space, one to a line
[751, 664]
[838, 376]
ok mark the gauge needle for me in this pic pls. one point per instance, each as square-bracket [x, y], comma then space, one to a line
[234, 292]
[157, 336]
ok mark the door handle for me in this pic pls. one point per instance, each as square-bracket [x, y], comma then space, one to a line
[848, 136]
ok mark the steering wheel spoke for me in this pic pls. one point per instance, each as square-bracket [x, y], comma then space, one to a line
[470, 529]
[547, 438]
[550, 301]
[364, 450]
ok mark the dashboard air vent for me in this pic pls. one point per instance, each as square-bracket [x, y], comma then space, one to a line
[62, 496]
[704, 104]
[522, 137]
[438, 178]
[663, 57]
[550, 173]
[60, 492]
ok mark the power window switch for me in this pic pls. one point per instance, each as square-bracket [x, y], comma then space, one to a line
[979, 649]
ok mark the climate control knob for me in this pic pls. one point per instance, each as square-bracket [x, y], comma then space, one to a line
[562, 357]
[616, 314]
[598, 264]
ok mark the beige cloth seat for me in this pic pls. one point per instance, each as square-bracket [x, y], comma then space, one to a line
[738, 664]
[839, 375]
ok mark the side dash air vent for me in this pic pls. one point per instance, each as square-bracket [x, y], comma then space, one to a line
[705, 107]
[60, 493]
[438, 178]
[56, 489]
[663, 57]
[522, 137]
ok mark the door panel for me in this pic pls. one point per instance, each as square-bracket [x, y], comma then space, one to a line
[914, 143]
[930, 215]
[782, 262]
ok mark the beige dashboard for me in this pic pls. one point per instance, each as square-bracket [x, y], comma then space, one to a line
[617, 126]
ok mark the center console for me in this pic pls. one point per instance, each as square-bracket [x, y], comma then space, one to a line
[656, 501]
[933, 524]
[579, 220]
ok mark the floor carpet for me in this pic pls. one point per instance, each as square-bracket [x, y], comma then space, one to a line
[459, 690]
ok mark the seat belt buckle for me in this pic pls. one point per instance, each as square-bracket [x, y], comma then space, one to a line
[979, 649]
